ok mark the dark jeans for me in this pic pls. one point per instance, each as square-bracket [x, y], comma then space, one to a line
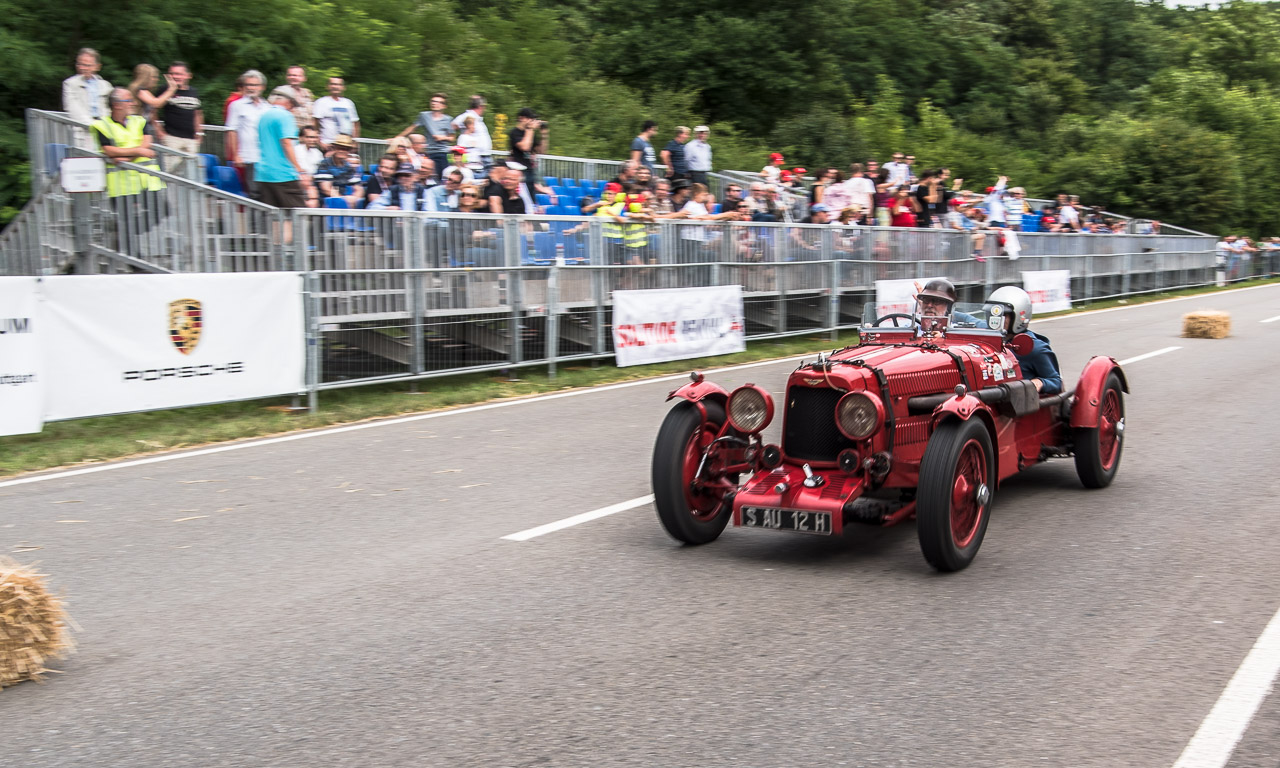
[698, 177]
[441, 161]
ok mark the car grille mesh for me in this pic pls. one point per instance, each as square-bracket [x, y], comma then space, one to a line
[809, 431]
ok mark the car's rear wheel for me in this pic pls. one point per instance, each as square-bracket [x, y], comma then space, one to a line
[688, 514]
[1098, 448]
[953, 501]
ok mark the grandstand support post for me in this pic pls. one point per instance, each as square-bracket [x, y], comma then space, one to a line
[552, 328]
[81, 231]
[1088, 277]
[833, 281]
[715, 273]
[311, 314]
[781, 325]
[416, 300]
[1124, 278]
[35, 151]
[595, 252]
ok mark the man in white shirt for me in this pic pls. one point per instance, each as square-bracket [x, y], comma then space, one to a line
[336, 113]
[861, 192]
[84, 95]
[310, 156]
[697, 154]
[995, 203]
[899, 172]
[483, 142]
[242, 147]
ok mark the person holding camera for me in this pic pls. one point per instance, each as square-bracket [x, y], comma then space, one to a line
[528, 138]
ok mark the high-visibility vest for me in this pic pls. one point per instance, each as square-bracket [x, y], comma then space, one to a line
[635, 235]
[122, 181]
[612, 229]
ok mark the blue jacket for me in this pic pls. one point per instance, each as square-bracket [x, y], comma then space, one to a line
[1041, 363]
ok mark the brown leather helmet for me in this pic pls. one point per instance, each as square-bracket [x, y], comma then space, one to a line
[938, 288]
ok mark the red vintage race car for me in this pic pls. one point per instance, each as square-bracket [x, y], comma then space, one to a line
[921, 421]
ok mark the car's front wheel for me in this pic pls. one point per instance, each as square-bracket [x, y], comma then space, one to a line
[957, 486]
[1098, 447]
[687, 512]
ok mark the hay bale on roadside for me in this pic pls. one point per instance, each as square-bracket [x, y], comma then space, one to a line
[34, 626]
[1206, 324]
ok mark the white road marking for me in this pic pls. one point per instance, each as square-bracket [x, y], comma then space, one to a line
[471, 409]
[1272, 319]
[1148, 355]
[1213, 744]
[1201, 296]
[582, 518]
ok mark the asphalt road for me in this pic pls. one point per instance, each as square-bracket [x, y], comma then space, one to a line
[347, 599]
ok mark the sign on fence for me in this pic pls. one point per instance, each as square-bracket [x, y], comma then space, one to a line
[21, 379]
[654, 326]
[1050, 290]
[120, 344]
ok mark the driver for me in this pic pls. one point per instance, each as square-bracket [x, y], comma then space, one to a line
[1040, 365]
[936, 299]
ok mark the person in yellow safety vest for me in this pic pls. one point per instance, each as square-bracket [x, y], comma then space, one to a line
[613, 201]
[120, 137]
[635, 234]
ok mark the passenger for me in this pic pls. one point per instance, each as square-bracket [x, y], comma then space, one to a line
[1040, 365]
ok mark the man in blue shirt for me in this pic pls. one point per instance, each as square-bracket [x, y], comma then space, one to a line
[1040, 365]
[641, 150]
[673, 155]
[278, 171]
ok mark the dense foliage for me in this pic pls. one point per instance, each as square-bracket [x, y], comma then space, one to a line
[1169, 113]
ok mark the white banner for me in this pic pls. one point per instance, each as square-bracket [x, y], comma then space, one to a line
[21, 378]
[654, 326]
[1050, 290]
[115, 344]
[897, 296]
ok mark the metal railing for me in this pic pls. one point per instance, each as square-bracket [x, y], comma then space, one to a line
[51, 136]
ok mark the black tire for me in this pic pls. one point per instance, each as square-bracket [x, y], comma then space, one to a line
[686, 518]
[952, 510]
[1098, 448]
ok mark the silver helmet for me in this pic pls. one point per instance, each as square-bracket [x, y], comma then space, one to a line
[1016, 299]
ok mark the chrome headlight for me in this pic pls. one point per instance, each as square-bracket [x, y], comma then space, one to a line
[750, 409]
[859, 415]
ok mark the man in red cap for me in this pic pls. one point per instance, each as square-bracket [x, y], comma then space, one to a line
[772, 172]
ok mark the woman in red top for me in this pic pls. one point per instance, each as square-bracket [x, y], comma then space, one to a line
[903, 208]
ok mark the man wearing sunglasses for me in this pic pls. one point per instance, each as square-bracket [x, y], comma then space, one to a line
[444, 197]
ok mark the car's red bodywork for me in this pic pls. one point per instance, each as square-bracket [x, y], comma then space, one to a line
[922, 381]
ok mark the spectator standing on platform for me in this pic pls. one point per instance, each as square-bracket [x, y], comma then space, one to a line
[673, 155]
[145, 99]
[899, 171]
[337, 177]
[310, 155]
[481, 140]
[641, 149]
[772, 173]
[280, 176]
[862, 191]
[698, 155]
[242, 140]
[827, 176]
[528, 138]
[1068, 216]
[85, 95]
[903, 208]
[1015, 206]
[119, 135]
[995, 203]
[182, 116]
[437, 125]
[336, 114]
[237, 92]
[296, 77]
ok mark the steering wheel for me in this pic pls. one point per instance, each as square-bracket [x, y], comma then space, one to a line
[911, 320]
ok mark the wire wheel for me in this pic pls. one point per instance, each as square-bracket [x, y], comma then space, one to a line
[689, 513]
[1098, 448]
[957, 486]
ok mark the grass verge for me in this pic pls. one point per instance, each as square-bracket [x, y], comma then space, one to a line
[113, 437]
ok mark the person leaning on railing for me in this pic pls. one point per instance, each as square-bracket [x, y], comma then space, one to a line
[121, 137]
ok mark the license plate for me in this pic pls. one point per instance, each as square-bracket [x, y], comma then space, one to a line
[787, 520]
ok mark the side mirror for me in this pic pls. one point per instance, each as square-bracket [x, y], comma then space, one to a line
[1022, 344]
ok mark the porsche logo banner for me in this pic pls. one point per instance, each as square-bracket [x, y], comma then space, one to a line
[145, 342]
[21, 378]
[653, 326]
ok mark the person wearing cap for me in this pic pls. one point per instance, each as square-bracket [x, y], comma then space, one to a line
[458, 158]
[772, 172]
[242, 118]
[336, 177]
[281, 179]
[698, 155]
[673, 155]
[336, 114]
[481, 140]
[406, 194]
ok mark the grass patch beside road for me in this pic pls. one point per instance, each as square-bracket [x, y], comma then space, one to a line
[113, 437]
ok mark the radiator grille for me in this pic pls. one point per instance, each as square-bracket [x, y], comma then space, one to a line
[810, 432]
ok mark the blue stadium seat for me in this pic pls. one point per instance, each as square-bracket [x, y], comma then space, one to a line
[53, 155]
[551, 181]
[715, 208]
[571, 210]
[559, 190]
[554, 210]
[542, 199]
[585, 183]
[228, 180]
[344, 223]
[210, 165]
[1030, 222]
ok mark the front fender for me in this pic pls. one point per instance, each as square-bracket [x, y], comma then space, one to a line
[697, 391]
[957, 407]
[1088, 396]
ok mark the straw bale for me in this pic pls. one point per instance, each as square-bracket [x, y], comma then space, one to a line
[34, 625]
[1206, 324]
